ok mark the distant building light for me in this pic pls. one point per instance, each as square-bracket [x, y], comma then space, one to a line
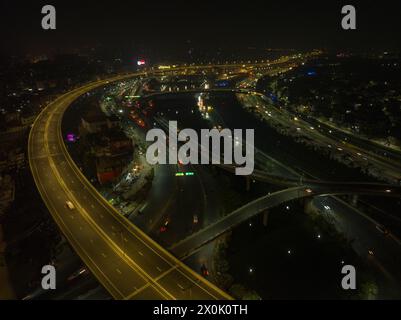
[141, 62]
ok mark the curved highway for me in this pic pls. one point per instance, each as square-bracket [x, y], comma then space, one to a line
[187, 246]
[126, 261]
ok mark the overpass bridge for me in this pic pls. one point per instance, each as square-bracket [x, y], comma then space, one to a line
[128, 263]
[298, 189]
[158, 94]
[189, 245]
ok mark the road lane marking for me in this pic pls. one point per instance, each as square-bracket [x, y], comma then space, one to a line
[131, 230]
[160, 289]
[68, 234]
[158, 254]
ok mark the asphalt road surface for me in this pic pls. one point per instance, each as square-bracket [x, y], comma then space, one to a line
[126, 261]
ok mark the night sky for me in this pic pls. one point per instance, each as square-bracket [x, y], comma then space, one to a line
[166, 25]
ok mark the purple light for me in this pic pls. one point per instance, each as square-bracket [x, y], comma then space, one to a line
[71, 137]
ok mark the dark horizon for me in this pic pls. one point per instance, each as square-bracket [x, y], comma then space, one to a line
[174, 26]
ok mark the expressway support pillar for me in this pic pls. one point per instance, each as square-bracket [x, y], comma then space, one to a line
[265, 217]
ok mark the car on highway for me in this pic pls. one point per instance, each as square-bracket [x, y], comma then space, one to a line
[204, 270]
[382, 229]
[164, 227]
[69, 205]
[78, 273]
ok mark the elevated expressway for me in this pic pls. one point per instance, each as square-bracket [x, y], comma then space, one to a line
[187, 246]
[297, 189]
[126, 261]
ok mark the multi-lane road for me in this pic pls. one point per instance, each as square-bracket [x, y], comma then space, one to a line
[332, 139]
[126, 261]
